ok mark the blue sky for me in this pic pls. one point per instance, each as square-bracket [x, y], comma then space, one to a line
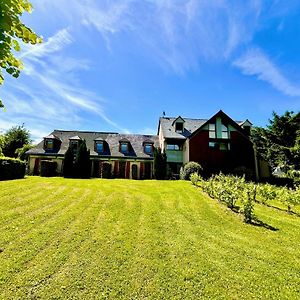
[117, 65]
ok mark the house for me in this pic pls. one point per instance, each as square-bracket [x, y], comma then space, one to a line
[111, 154]
[218, 144]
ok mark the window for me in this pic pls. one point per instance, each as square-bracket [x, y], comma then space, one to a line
[148, 148]
[124, 147]
[179, 127]
[99, 147]
[48, 144]
[219, 146]
[225, 134]
[74, 145]
[212, 131]
[173, 147]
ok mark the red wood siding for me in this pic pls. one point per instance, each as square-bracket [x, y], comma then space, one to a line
[214, 160]
[127, 175]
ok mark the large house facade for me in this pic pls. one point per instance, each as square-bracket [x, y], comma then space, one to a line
[218, 144]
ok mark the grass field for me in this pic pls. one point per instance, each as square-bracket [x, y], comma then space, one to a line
[121, 239]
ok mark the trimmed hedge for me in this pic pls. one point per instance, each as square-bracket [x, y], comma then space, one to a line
[11, 168]
[48, 168]
[188, 169]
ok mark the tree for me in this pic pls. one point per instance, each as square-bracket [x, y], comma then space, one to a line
[1, 144]
[21, 152]
[83, 167]
[279, 142]
[160, 164]
[12, 30]
[15, 138]
[68, 167]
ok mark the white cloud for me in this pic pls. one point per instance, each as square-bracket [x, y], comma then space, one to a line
[254, 62]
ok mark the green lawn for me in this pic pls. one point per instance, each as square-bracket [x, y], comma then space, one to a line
[122, 239]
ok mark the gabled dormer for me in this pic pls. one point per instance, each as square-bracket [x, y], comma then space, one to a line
[148, 146]
[99, 145]
[124, 146]
[51, 143]
[246, 125]
[178, 124]
[74, 142]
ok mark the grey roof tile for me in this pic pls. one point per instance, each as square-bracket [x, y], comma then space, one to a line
[111, 141]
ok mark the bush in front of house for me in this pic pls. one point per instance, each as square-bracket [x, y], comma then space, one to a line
[188, 169]
[48, 168]
[11, 168]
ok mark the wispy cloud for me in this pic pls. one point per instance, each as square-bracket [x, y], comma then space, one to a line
[256, 63]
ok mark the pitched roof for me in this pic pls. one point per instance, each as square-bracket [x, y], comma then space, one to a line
[111, 139]
[190, 125]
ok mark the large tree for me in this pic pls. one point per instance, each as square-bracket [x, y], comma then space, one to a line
[279, 142]
[82, 163]
[15, 138]
[12, 31]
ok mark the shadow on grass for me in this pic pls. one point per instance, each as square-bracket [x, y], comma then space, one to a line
[283, 209]
[259, 223]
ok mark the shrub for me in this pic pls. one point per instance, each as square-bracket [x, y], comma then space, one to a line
[195, 178]
[106, 170]
[48, 168]
[188, 169]
[11, 168]
[249, 203]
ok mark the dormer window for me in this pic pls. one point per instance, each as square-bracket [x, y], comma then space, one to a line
[178, 124]
[179, 127]
[124, 147]
[48, 144]
[99, 145]
[148, 148]
[51, 143]
[74, 143]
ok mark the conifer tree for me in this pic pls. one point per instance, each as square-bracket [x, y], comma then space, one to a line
[83, 167]
[160, 164]
[68, 167]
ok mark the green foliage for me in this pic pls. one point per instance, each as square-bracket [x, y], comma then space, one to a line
[12, 30]
[279, 143]
[15, 138]
[48, 168]
[249, 203]
[188, 169]
[11, 168]
[83, 163]
[195, 178]
[68, 165]
[159, 164]
[21, 152]
[243, 171]
[2, 140]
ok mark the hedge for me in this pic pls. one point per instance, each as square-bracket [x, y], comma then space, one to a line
[11, 168]
[48, 168]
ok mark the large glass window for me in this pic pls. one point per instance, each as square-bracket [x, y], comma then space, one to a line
[173, 147]
[219, 146]
[225, 134]
[212, 131]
